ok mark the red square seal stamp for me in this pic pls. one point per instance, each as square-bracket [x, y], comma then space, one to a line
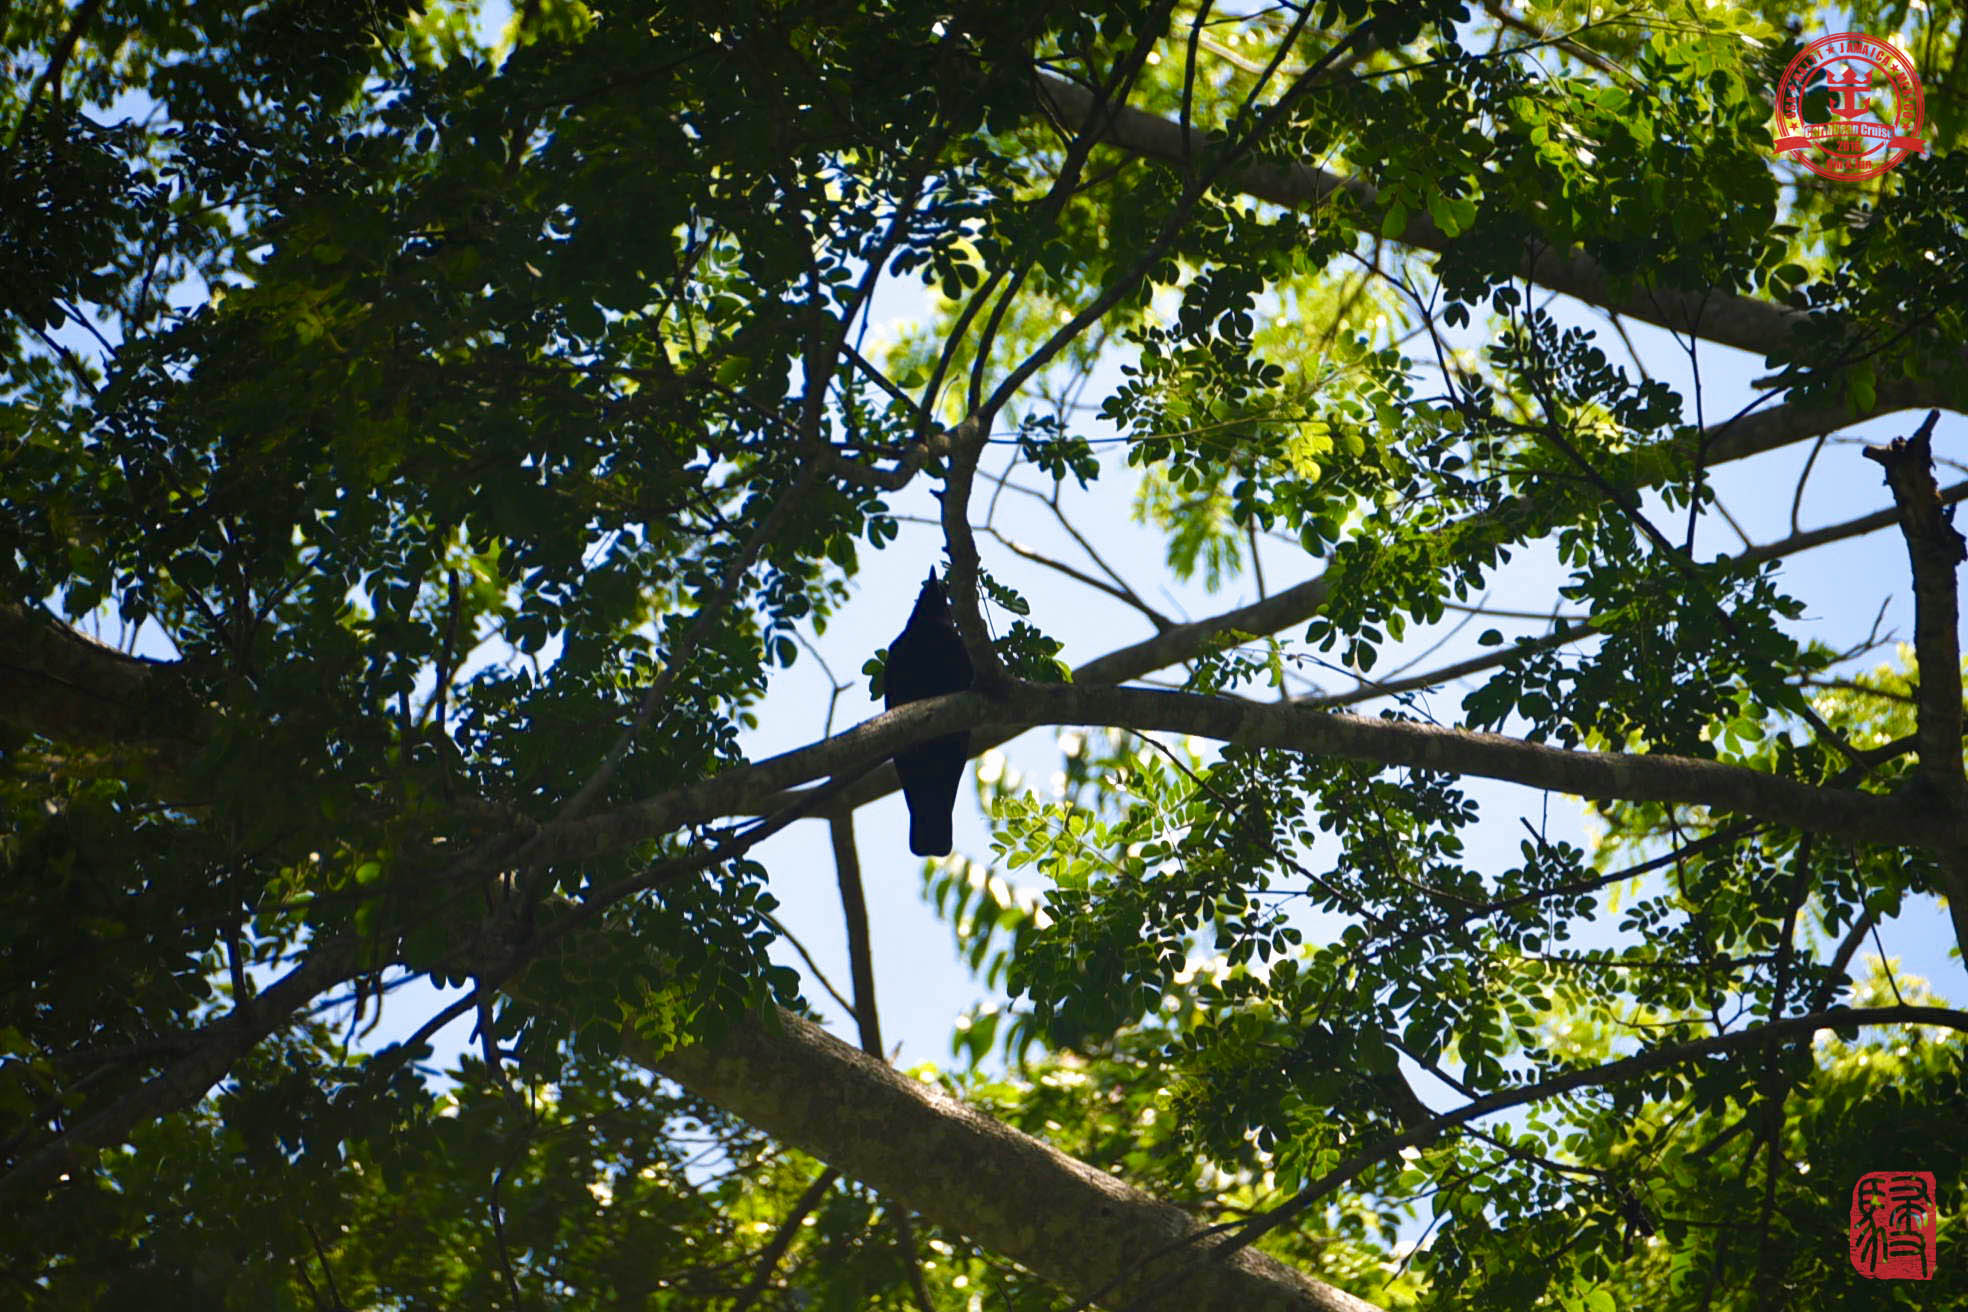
[1892, 1228]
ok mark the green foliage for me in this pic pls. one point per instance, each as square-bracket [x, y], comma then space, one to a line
[470, 426]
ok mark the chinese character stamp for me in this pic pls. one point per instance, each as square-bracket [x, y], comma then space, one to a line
[1892, 1230]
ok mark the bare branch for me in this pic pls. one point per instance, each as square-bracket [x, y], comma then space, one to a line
[991, 676]
[1037, 557]
[860, 952]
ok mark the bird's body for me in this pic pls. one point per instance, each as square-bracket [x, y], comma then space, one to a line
[927, 659]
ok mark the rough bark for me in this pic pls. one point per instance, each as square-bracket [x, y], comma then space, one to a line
[71, 688]
[1935, 550]
[1016, 1196]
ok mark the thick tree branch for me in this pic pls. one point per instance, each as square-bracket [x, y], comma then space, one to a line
[1935, 548]
[1796, 421]
[1838, 812]
[66, 686]
[1064, 1220]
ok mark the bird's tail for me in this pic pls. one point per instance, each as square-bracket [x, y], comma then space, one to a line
[929, 831]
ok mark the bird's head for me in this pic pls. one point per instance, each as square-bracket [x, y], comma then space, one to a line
[932, 603]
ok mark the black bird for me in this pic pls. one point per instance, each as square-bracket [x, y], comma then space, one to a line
[927, 659]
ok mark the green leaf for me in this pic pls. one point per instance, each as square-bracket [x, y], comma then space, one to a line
[584, 319]
[1862, 389]
[1452, 216]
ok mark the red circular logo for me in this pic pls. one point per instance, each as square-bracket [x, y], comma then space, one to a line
[1874, 101]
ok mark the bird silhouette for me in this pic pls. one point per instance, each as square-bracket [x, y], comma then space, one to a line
[927, 659]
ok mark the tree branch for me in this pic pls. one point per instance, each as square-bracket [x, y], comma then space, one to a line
[1935, 548]
[1012, 1194]
[67, 686]
[216, 1049]
[1613, 1072]
[782, 1240]
[1731, 440]
[1739, 321]
[1840, 812]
